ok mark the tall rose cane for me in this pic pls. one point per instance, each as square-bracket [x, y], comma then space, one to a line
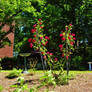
[68, 40]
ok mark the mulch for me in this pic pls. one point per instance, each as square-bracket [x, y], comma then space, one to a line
[81, 83]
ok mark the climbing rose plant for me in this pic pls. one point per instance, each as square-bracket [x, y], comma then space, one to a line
[39, 40]
[67, 42]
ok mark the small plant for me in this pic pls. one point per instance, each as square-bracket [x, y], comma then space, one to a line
[14, 73]
[1, 88]
[48, 79]
[20, 87]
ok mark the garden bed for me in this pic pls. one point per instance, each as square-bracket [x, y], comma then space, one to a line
[81, 83]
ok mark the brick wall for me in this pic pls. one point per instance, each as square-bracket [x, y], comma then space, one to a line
[7, 51]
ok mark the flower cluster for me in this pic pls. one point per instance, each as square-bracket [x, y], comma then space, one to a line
[68, 39]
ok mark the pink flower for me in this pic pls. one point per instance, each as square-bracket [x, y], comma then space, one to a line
[66, 28]
[73, 34]
[33, 40]
[67, 57]
[46, 37]
[34, 25]
[41, 38]
[71, 43]
[31, 45]
[30, 39]
[46, 42]
[70, 24]
[39, 19]
[62, 54]
[33, 30]
[56, 59]
[69, 38]
[51, 54]
[44, 57]
[61, 46]
[34, 35]
[61, 35]
[63, 38]
[74, 38]
[48, 52]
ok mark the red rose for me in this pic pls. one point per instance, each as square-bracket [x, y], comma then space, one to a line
[30, 39]
[63, 38]
[61, 46]
[33, 40]
[61, 35]
[42, 52]
[46, 37]
[73, 34]
[41, 37]
[39, 19]
[51, 54]
[70, 24]
[71, 43]
[67, 57]
[31, 45]
[33, 30]
[74, 38]
[40, 23]
[62, 54]
[66, 28]
[44, 57]
[34, 25]
[69, 38]
[41, 27]
[34, 35]
[48, 52]
[46, 42]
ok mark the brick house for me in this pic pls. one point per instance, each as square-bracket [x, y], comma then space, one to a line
[7, 51]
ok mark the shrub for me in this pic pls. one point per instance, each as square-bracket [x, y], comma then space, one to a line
[14, 73]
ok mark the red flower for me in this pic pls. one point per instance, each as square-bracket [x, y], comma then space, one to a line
[66, 28]
[69, 38]
[30, 39]
[31, 45]
[73, 34]
[34, 25]
[67, 57]
[33, 30]
[70, 24]
[46, 37]
[63, 38]
[40, 23]
[71, 43]
[44, 57]
[61, 46]
[34, 35]
[48, 52]
[62, 54]
[46, 42]
[41, 27]
[43, 44]
[39, 19]
[41, 37]
[51, 54]
[56, 59]
[69, 33]
[61, 35]
[33, 40]
[42, 52]
[74, 38]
